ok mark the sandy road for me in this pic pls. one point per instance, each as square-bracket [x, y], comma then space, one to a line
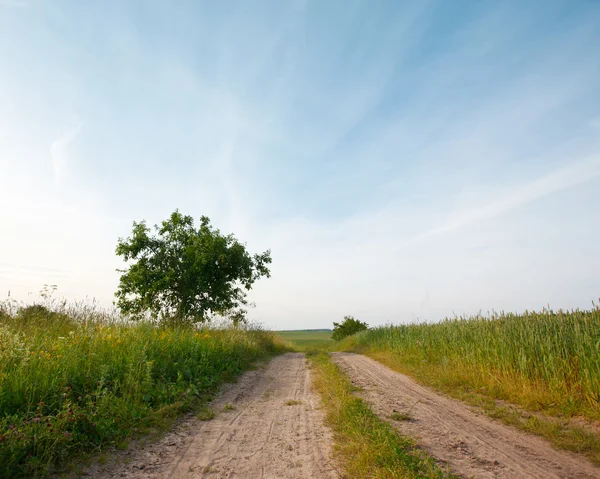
[470, 443]
[268, 425]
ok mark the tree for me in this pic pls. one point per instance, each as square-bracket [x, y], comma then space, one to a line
[184, 274]
[349, 327]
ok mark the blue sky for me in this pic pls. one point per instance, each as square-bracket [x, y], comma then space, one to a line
[402, 160]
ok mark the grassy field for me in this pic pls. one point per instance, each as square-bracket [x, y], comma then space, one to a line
[546, 362]
[307, 339]
[75, 381]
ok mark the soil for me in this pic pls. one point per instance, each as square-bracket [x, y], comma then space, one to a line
[458, 436]
[267, 425]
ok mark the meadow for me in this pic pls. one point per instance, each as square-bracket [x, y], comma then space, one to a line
[74, 380]
[305, 339]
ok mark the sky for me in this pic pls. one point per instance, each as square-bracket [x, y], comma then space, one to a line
[404, 161]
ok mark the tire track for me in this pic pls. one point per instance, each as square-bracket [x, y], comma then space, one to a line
[260, 434]
[471, 444]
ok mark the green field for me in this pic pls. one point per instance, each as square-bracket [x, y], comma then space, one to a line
[306, 338]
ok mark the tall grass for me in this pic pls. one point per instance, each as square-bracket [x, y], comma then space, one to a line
[73, 380]
[543, 360]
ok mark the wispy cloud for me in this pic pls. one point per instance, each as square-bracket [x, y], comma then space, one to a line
[566, 177]
[390, 156]
[58, 153]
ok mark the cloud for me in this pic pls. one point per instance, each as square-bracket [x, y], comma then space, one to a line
[392, 166]
[566, 177]
[58, 153]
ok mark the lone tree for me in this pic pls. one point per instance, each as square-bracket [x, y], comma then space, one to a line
[349, 327]
[184, 274]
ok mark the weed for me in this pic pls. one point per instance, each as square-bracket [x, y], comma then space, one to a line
[205, 414]
[400, 416]
[292, 402]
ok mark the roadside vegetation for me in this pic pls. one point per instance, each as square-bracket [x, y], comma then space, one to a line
[74, 380]
[539, 371]
[366, 446]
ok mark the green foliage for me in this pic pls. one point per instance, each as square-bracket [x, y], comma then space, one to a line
[64, 393]
[349, 327]
[184, 274]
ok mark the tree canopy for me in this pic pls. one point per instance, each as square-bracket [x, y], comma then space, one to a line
[348, 327]
[186, 274]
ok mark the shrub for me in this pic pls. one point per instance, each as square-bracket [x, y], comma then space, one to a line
[349, 327]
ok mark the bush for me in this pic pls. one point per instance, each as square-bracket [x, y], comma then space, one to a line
[349, 327]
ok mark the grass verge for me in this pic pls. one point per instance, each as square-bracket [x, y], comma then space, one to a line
[73, 382]
[365, 445]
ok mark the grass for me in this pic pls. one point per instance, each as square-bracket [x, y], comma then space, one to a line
[74, 381]
[365, 445]
[400, 416]
[547, 363]
[205, 414]
[292, 402]
[304, 340]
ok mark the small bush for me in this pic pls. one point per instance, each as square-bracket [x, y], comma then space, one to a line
[349, 327]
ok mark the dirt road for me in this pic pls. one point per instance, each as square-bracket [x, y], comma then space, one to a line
[470, 443]
[267, 425]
